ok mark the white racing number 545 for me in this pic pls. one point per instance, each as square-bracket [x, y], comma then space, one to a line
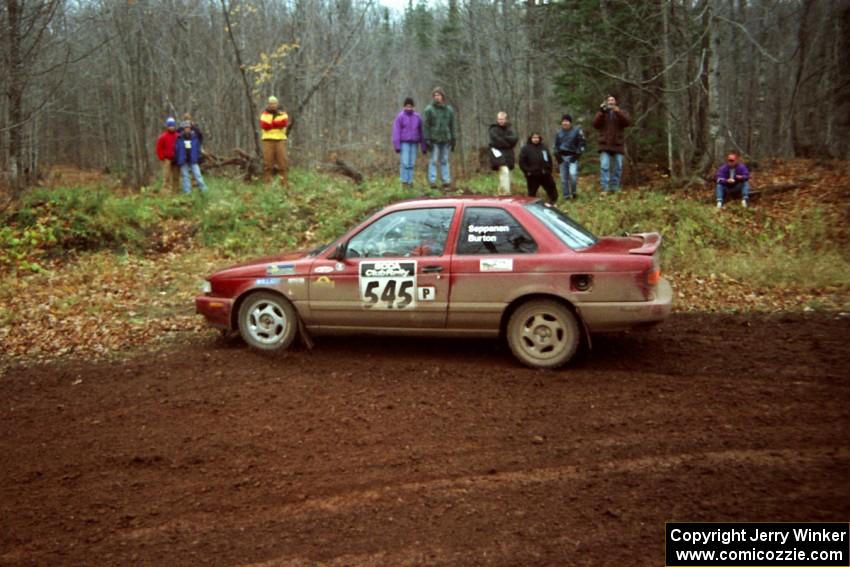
[388, 285]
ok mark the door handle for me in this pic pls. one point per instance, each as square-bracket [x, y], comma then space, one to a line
[432, 269]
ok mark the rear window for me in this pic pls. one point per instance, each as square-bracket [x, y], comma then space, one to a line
[490, 230]
[566, 229]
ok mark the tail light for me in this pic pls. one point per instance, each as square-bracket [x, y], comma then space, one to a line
[650, 278]
[653, 276]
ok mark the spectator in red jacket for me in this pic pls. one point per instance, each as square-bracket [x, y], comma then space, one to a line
[165, 154]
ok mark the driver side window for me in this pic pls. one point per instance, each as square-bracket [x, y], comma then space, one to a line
[414, 232]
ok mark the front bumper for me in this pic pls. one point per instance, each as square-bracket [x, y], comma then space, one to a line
[616, 316]
[216, 310]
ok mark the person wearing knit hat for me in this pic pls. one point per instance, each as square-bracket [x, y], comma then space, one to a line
[438, 129]
[165, 154]
[569, 146]
[273, 122]
[187, 151]
[408, 140]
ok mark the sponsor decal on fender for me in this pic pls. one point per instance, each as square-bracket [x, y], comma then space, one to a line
[496, 265]
[280, 269]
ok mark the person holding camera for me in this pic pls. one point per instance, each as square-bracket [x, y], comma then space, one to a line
[569, 145]
[733, 175]
[611, 121]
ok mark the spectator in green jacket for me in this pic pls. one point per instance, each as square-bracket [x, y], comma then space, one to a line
[438, 129]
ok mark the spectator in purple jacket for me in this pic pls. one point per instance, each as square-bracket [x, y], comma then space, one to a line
[408, 139]
[733, 175]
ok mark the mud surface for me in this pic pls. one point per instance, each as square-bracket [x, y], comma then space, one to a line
[402, 452]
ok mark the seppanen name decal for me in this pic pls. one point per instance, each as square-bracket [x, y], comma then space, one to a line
[388, 285]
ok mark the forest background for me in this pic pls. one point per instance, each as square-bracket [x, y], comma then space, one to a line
[89, 83]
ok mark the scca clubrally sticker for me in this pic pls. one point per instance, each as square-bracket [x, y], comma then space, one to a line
[388, 285]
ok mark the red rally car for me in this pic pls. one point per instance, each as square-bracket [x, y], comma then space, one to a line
[466, 266]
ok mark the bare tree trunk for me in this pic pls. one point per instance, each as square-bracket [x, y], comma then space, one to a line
[802, 46]
[715, 143]
[668, 83]
[248, 98]
[15, 94]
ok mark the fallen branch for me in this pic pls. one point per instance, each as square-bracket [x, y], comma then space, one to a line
[342, 167]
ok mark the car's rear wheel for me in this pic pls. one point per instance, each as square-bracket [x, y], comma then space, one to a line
[267, 321]
[543, 333]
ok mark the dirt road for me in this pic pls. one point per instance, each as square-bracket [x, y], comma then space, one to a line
[401, 452]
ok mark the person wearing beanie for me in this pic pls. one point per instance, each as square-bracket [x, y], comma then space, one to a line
[165, 154]
[408, 140]
[611, 122]
[569, 146]
[502, 143]
[438, 128]
[274, 121]
[731, 176]
[535, 161]
[195, 127]
[187, 151]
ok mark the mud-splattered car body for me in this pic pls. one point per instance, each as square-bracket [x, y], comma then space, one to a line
[465, 266]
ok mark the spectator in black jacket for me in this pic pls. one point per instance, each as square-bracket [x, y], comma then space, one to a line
[535, 161]
[502, 142]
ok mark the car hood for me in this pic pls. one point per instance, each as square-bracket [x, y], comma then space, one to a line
[284, 264]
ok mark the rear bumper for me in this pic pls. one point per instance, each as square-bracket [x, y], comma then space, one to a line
[216, 310]
[615, 316]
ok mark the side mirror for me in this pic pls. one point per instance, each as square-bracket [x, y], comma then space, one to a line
[339, 252]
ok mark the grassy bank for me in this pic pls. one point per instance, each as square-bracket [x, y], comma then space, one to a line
[801, 247]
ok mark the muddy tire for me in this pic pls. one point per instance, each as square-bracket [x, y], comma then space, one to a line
[543, 333]
[267, 321]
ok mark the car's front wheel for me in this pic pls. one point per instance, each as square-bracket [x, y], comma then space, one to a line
[267, 321]
[543, 333]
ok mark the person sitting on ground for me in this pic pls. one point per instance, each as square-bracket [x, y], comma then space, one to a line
[535, 161]
[187, 153]
[733, 175]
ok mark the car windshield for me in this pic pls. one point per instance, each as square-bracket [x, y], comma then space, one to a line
[566, 229]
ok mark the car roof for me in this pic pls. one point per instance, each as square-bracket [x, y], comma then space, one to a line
[456, 200]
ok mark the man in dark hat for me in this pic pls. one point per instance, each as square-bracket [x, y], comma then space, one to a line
[569, 145]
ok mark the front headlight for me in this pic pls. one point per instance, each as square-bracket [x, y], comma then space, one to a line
[206, 287]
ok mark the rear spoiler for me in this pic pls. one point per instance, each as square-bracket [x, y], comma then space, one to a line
[651, 242]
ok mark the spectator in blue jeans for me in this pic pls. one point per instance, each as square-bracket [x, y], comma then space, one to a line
[187, 154]
[569, 145]
[611, 122]
[730, 176]
[438, 129]
[408, 140]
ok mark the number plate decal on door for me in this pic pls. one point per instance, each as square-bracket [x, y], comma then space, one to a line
[388, 285]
